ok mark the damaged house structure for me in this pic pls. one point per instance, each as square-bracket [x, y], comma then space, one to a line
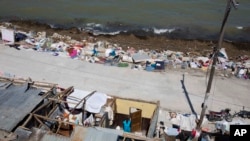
[39, 111]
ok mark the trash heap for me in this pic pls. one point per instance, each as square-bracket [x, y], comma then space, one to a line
[103, 52]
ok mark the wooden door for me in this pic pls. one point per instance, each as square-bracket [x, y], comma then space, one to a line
[136, 119]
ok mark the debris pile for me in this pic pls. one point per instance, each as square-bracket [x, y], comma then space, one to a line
[103, 52]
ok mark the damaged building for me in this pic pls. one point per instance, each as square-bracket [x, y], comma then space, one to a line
[40, 111]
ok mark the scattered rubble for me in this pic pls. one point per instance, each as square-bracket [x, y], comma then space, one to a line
[103, 52]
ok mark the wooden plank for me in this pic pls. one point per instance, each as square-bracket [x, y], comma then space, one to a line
[137, 137]
[59, 100]
[24, 128]
[46, 118]
[66, 92]
[28, 119]
[130, 99]
[136, 120]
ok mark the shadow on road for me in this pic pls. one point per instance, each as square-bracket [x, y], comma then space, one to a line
[187, 96]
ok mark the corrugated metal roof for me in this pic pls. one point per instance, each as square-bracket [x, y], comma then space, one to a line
[79, 133]
[54, 137]
[100, 134]
[43, 135]
[16, 103]
[22, 134]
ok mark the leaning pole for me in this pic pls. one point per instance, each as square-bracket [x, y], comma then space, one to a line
[229, 5]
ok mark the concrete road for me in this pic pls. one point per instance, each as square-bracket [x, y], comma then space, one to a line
[167, 87]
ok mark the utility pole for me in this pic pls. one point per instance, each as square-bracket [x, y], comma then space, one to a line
[230, 3]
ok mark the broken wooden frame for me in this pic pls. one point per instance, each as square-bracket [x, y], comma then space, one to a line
[48, 108]
[103, 122]
[42, 113]
[45, 90]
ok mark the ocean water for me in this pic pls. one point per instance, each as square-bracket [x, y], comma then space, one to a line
[185, 19]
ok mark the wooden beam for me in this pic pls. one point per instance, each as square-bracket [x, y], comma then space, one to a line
[59, 100]
[47, 93]
[53, 109]
[136, 137]
[42, 88]
[42, 106]
[137, 100]
[65, 92]
[58, 128]
[29, 118]
[44, 84]
[46, 118]
[24, 128]
[84, 99]
[41, 122]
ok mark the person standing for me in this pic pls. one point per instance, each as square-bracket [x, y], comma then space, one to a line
[127, 125]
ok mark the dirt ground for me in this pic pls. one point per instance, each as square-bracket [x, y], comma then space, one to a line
[155, 43]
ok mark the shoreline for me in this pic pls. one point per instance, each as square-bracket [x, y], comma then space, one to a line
[65, 67]
[157, 43]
